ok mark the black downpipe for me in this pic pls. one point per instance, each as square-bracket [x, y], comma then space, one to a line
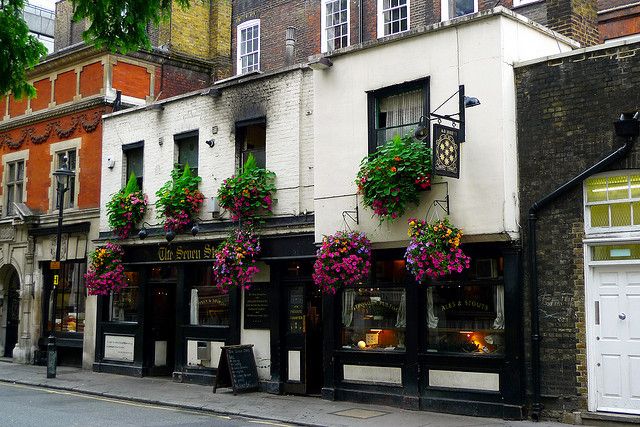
[626, 127]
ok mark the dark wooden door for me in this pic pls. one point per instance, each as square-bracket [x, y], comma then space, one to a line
[13, 319]
[161, 328]
[303, 339]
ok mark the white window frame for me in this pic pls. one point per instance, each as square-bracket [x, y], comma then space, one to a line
[54, 149]
[381, 20]
[239, 28]
[595, 231]
[444, 9]
[18, 156]
[323, 24]
[517, 3]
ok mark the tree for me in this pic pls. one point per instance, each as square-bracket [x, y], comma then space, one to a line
[19, 50]
[121, 25]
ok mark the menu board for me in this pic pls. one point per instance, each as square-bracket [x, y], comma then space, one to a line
[237, 369]
[256, 307]
[296, 310]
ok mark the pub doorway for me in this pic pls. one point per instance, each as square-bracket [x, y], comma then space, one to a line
[161, 322]
[12, 300]
[303, 333]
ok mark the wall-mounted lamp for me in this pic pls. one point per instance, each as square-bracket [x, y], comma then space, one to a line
[195, 229]
[170, 235]
[210, 142]
[111, 163]
[144, 233]
[423, 129]
[320, 64]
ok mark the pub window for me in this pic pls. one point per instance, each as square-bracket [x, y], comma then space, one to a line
[396, 111]
[69, 195]
[453, 8]
[67, 312]
[187, 148]
[133, 154]
[208, 305]
[393, 17]
[612, 203]
[466, 315]
[251, 138]
[14, 185]
[124, 304]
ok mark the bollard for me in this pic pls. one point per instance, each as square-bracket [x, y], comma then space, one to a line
[52, 357]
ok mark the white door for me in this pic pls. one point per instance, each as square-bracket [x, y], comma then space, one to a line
[616, 338]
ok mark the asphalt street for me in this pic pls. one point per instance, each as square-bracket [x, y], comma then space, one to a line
[32, 406]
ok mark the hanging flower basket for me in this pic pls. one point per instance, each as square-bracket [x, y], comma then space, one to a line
[234, 261]
[106, 272]
[392, 177]
[434, 250]
[342, 260]
[250, 194]
[126, 208]
[179, 199]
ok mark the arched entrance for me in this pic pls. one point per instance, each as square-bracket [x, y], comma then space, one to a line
[9, 277]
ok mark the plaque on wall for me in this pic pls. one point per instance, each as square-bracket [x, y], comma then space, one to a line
[256, 307]
[119, 348]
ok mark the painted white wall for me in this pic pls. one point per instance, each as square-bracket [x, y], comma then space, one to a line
[479, 54]
[285, 99]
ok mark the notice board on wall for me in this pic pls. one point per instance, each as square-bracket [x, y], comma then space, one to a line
[237, 369]
[256, 307]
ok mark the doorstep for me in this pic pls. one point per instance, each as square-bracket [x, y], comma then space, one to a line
[6, 359]
[609, 419]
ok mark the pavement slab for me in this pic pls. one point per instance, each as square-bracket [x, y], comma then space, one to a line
[303, 410]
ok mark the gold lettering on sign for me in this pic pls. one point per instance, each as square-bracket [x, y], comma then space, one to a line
[187, 254]
[182, 253]
[165, 254]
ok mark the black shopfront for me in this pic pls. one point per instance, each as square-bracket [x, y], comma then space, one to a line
[454, 345]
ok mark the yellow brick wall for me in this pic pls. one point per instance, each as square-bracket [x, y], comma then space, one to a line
[190, 29]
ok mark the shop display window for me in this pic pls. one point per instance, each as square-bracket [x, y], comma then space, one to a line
[124, 305]
[208, 305]
[467, 315]
[374, 319]
[67, 313]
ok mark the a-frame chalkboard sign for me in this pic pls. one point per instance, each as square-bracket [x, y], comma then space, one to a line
[237, 369]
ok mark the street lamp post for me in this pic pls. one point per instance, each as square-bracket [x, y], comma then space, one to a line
[63, 177]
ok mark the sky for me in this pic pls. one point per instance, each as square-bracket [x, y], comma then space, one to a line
[47, 4]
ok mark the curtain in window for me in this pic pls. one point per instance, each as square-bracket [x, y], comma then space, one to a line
[498, 323]
[401, 319]
[348, 298]
[432, 320]
[194, 309]
[403, 108]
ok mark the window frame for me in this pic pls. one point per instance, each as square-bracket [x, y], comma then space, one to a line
[591, 230]
[240, 143]
[244, 26]
[183, 137]
[54, 150]
[444, 10]
[380, 19]
[126, 149]
[374, 96]
[8, 159]
[81, 294]
[323, 26]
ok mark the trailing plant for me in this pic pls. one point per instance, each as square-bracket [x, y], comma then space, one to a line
[106, 272]
[250, 193]
[342, 260]
[179, 199]
[126, 208]
[434, 249]
[234, 261]
[391, 178]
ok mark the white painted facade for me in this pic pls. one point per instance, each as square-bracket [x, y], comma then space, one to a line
[478, 51]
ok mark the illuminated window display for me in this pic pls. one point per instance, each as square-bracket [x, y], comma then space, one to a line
[208, 305]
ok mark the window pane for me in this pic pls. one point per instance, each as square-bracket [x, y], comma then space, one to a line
[70, 302]
[615, 252]
[636, 213]
[465, 319]
[620, 214]
[12, 172]
[208, 306]
[135, 162]
[600, 216]
[18, 197]
[635, 186]
[618, 187]
[188, 151]
[10, 195]
[374, 319]
[124, 305]
[19, 171]
[597, 189]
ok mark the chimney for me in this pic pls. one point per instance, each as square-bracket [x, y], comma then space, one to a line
[290, 45]
[576, 19]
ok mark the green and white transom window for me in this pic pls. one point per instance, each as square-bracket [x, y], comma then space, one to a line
[612, 203]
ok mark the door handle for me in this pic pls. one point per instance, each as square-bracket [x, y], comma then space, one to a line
[622, 316]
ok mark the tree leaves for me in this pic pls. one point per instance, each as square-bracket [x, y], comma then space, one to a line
[121, 25]
[20, 50]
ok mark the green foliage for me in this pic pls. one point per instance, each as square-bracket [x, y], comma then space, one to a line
[179, 199]
[121, 25]
[249, 194]
[126, 208]
[19, 50]
[391, 178]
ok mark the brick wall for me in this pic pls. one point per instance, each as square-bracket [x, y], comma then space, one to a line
[566, 108]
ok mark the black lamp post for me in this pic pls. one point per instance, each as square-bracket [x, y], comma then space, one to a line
[63, 177]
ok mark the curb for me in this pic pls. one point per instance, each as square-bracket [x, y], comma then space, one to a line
[155, 402]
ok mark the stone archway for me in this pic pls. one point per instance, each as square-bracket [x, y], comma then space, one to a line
[10, 281]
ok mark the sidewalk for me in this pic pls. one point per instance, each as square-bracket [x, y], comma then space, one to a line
[287, 409]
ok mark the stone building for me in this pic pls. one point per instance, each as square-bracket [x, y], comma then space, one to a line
[75, 86]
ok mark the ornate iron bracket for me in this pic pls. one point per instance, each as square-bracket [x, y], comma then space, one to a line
[441, 203]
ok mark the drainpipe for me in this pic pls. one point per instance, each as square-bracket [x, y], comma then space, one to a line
[360, 20]
[626, 127]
